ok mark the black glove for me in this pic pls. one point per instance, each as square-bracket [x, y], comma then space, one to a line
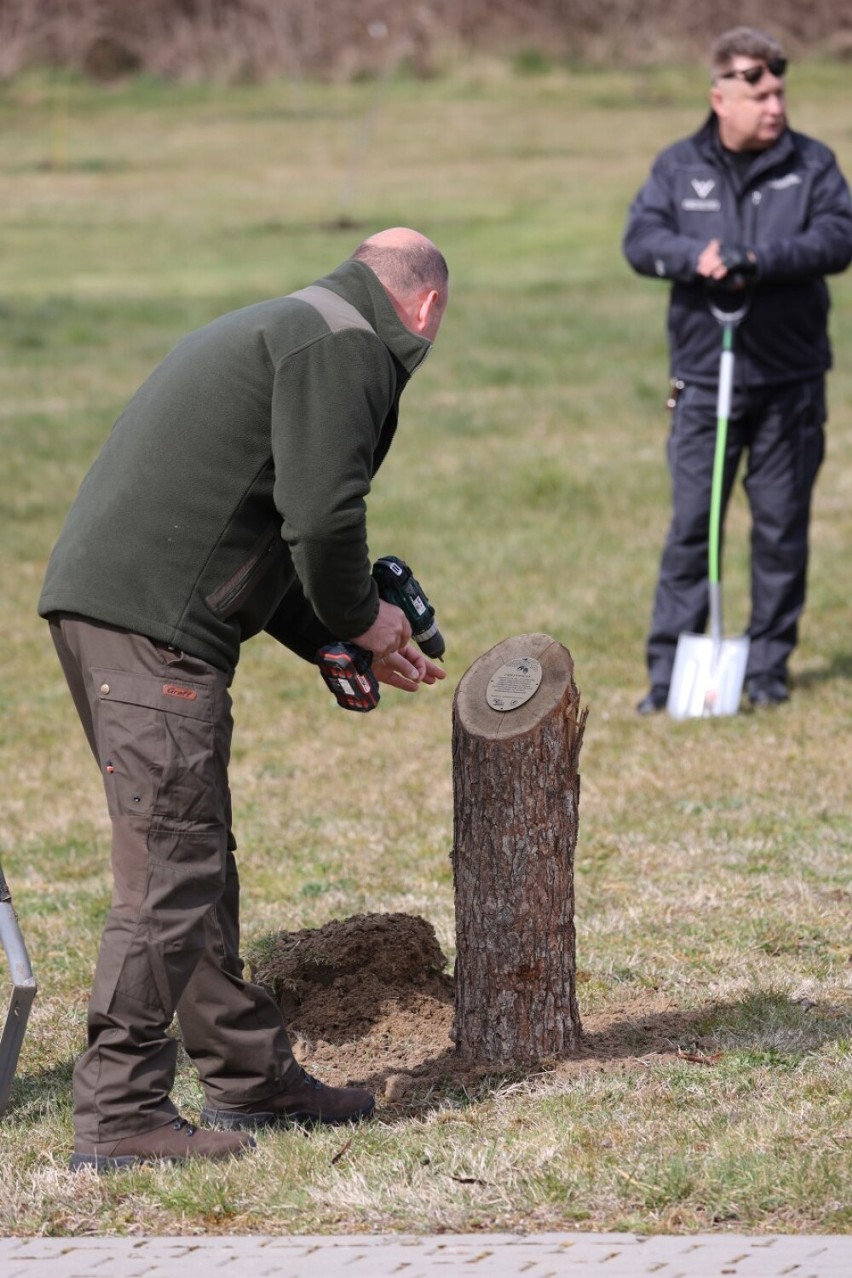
[739, 259]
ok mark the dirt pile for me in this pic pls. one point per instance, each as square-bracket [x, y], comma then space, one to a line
[368, 1000]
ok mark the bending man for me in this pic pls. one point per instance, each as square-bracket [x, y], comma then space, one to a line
[229, 499]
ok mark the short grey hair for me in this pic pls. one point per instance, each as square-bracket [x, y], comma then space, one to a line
[407, 269]
[743, 42]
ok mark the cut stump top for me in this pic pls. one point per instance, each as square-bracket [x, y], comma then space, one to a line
[471, 706]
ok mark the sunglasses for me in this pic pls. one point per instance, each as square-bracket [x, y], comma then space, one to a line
[754, 75]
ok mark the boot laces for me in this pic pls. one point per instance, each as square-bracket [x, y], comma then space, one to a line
[180, 1123]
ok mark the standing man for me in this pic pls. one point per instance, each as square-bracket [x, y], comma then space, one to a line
[229, 498]
[743, 214]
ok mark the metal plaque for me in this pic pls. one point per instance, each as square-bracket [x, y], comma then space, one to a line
[513, 684]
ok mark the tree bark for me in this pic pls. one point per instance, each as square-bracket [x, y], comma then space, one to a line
[516, 789]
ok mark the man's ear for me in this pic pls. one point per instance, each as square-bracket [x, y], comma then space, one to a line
[429, 311]
[427, 305]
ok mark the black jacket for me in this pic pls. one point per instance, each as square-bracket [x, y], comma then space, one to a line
[792, 208]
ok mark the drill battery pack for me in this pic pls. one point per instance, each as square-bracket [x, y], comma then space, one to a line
[346, 670]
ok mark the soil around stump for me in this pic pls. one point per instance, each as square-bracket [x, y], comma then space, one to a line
[368, 1001]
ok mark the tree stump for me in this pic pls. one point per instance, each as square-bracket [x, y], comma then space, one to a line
[516, 792]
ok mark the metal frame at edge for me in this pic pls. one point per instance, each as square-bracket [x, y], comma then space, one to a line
[23, 992]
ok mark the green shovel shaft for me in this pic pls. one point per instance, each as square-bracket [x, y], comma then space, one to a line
[723, 411]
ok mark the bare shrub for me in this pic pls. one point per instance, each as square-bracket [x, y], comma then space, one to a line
[256, 39]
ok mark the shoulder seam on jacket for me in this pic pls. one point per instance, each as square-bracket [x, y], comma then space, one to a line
[334, 309]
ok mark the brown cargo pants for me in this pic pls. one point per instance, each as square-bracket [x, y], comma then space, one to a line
[159, 725]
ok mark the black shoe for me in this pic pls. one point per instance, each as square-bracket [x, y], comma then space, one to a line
[174, 1142]
[767, 690]
[654, 699]
[306, 1101]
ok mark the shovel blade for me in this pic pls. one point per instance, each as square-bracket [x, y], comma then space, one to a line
[23, 993]
[708, 675]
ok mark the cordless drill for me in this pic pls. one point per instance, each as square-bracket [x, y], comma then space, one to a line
[346, 668]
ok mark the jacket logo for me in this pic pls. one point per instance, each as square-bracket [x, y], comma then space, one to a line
[702, 189]
[701, 206]
[789, 179]
[172, 690]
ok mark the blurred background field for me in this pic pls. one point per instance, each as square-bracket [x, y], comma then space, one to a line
[527, 488]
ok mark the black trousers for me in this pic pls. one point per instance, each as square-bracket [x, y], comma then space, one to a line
[159, 725]
[780, 431]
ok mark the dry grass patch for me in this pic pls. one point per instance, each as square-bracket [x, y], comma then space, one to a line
[527, 489]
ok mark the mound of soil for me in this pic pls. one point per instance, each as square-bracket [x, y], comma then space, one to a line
[368, 1001]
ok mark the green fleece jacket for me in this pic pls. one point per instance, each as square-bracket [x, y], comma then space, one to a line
[230, 496]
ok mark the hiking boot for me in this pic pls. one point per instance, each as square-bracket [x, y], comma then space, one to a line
[767, 690]
[172, 1143]
[306, 1101]
[654, 699]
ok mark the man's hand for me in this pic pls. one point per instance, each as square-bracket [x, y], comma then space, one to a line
[407, 669]
[738, 258]
[389, 633]
[710, 264]
[730, 262]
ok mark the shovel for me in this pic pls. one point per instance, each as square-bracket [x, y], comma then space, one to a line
[708, 673]
[23, 991]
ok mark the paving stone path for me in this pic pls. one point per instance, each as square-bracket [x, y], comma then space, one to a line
[575, 1255]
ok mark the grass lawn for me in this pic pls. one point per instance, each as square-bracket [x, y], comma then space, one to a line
[527, 488]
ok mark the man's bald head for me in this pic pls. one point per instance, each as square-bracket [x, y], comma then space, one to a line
[414, 273]
[404, 260]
